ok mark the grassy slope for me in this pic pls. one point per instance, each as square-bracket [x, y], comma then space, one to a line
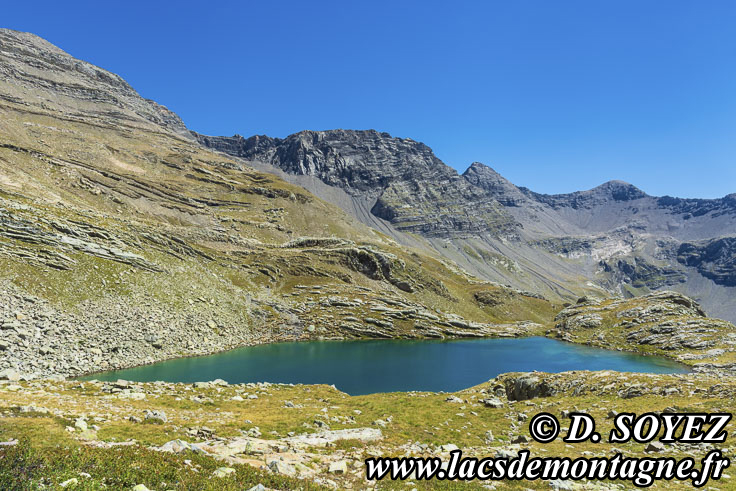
[620, 319]
[129, 181]
[415, 418]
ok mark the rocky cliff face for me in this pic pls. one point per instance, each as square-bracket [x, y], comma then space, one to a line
[614, 238]
[407, 185]
[714, 259]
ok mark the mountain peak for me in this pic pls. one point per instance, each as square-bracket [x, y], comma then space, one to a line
[609, 191]
[619, 191]
[479, 168]
[494, 184]
[482, 175]
[28, 38]
[35, 73]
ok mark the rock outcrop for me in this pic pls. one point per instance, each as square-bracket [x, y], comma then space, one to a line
[664, 323]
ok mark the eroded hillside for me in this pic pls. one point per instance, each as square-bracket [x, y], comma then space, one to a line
[123, 241]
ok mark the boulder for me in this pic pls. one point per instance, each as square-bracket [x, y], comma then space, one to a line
[493, 402]
[448, 447]
[526, 387]
[223, 472]
[155, 416]
[655, 447]
[281, 467]
[10, 374]
[340, 467]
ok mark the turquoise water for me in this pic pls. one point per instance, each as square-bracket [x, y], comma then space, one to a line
[364, 367]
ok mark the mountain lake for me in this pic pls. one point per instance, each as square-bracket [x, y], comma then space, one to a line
[365, 367]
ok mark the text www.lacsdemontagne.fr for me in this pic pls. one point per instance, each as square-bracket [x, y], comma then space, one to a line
[641, 471]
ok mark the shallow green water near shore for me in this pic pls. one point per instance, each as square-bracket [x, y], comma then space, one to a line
[364, 367]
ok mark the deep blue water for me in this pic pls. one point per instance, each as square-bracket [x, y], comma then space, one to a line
[364, 367]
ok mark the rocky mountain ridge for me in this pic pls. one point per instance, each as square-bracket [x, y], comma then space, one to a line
[614, 238]
[41, 76]
[389, 171]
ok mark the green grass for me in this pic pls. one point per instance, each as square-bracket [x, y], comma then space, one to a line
[30, 466]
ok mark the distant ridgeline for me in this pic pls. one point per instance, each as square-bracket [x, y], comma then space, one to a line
[613, 239]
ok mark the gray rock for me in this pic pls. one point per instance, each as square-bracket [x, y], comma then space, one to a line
[324, 438]
[631, 392]
[280, 467]
[340, 467]
[155, 416]
[655, 446]
[493, 402]
[527, 387]
[449, 447]
[221, 472]
[10, 374]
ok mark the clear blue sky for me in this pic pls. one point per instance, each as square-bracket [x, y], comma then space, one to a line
[556, 95]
